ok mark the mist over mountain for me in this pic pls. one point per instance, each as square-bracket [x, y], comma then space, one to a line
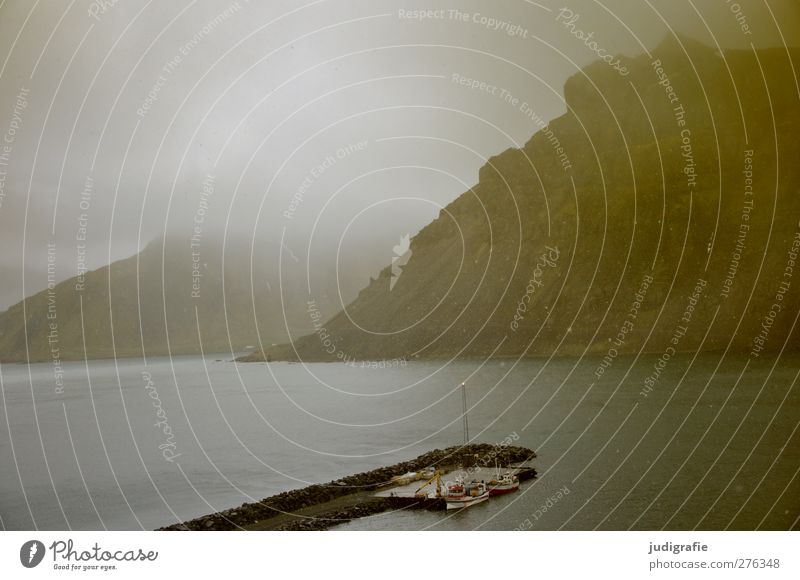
[171, 298]
[659, 214]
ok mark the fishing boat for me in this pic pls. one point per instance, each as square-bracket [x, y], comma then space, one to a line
[456, 494]
[506, 483]
[460, 495]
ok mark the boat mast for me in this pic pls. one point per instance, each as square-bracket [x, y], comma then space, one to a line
[465, 419]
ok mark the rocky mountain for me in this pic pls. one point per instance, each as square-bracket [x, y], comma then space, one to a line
[169, 298]
[659, 213]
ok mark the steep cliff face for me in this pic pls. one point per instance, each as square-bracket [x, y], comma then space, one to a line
[660, 211]
[163, 300]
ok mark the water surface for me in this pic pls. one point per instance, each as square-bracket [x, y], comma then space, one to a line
[710, 447]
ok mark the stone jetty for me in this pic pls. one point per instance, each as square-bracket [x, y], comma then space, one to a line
[320, 506]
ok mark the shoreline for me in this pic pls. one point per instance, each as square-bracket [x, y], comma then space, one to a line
[253, 358]
[321, 506]
[246, 357]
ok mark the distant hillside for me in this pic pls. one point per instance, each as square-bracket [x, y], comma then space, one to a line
[622, 193]
[134, 294]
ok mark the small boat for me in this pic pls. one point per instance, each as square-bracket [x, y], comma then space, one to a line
[506, 483]
[460, 495]
[407, 478]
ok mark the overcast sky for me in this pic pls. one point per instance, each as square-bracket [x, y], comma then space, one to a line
[350, 104]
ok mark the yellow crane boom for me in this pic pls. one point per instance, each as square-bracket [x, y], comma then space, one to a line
[437, 477]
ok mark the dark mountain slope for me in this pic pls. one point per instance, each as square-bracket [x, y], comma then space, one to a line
[649, 192]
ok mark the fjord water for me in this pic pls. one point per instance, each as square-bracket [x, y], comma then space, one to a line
[714, 445]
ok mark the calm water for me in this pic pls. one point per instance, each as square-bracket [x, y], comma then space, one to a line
[711, 446]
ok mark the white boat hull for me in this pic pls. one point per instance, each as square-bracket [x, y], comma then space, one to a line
[466, 501]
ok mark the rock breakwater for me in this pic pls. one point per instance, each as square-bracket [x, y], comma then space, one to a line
[321, 506]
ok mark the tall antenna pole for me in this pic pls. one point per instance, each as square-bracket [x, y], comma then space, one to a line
[465, 419]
